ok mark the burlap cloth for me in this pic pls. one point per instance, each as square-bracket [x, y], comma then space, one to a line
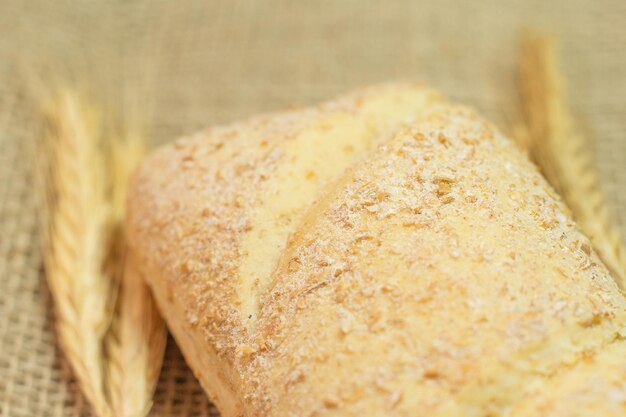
[217, 61]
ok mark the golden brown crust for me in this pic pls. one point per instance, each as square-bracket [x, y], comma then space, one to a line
[438, 275]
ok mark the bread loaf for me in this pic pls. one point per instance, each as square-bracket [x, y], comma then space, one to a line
[385, 254]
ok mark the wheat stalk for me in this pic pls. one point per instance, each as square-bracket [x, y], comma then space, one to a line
[74, 226]
[136, 341]
[561, 150]
[108, 324]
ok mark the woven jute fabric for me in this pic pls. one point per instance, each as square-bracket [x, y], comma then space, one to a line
[198, 63]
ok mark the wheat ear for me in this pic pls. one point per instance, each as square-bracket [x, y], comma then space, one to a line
[74, 226]
[136, 341]
[562, 151]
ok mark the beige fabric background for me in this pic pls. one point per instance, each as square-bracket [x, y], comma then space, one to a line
[202, 62]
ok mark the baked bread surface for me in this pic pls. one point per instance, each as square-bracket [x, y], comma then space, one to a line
[387, 253]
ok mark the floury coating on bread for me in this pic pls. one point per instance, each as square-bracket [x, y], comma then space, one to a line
[384, 254]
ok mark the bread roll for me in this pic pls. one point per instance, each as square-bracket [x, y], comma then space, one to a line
[384, 254]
